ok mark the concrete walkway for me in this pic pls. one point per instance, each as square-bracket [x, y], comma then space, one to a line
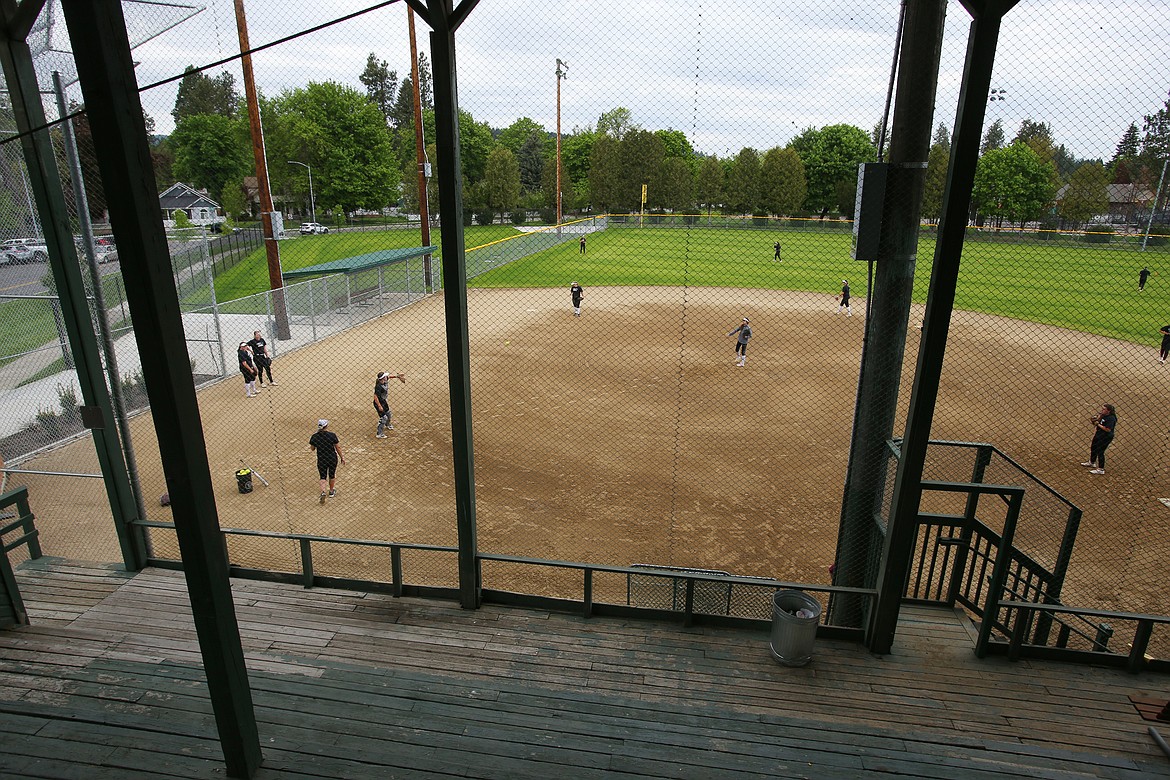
[213, 355]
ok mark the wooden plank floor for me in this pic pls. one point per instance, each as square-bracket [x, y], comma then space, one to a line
[107, 683]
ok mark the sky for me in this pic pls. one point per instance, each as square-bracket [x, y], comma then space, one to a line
[729, 75]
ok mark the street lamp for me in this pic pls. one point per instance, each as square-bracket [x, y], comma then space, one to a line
[562, 73]
[312, 200]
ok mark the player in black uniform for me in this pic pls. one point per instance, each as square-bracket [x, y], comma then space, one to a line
[576, 292]
[262, 357]
[247, 368]
[328, 447]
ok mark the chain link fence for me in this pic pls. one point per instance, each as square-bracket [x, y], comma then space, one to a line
[708, 195]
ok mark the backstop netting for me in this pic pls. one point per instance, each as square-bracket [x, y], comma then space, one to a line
[705, 188]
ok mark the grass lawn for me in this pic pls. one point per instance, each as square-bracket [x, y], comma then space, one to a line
[250, 275]
[1089, 288]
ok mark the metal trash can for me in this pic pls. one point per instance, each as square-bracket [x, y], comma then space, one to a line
[795, 616]
[244, 480]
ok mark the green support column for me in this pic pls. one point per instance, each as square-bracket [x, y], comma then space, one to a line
[97, 32]
[940, 302]
[888, 309]
[455, 291]
[45, 181]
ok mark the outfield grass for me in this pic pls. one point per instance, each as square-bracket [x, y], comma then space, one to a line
[1083, 288]
[1088, 288]
[250, 275]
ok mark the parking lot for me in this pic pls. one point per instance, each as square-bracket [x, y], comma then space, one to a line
[26, 278]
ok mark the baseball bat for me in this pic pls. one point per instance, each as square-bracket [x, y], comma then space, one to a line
[257, 474]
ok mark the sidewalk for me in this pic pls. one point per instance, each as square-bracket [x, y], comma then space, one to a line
[213, 356]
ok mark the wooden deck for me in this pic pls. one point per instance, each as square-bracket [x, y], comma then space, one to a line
[107, 683]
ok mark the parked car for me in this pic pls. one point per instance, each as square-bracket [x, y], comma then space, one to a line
[24, 250]
[105, 248]
[308, 228]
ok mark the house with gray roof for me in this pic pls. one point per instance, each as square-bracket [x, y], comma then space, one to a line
[1125, 200]
[199, 207]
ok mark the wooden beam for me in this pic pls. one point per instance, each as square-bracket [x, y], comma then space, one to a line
[97, 31]
[455, 296]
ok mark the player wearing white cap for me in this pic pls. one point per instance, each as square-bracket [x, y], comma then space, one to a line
[328, 447]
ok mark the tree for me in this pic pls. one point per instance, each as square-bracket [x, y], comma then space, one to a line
[516, 134]
[640, 156]
[605, 173]
[937, 161]
[548, 185]
[942, 137]
[673, 186]
[1038, 137]
[742, 185]
[381, 84]
[343, 136]
[616, 123]
[475, 144]
[1127, 148]
[1155, 146]
[232, 199]
[95, 194]
[783, 187]
[401, 115]
[993, 139]
[200, 94]
[831, 156]
[709, 183]
[1012, 183]
[502, 181]
[676, 144]
[426, 93]
[576, 151]
[530, 157]
[1086, 196]
[210, 150]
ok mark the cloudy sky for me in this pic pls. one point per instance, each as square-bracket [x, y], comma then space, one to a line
[729, 75]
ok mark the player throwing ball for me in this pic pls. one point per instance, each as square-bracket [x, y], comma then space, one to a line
[382, 401]
[745, 335]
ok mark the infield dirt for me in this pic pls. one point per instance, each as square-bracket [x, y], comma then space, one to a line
[628, 435]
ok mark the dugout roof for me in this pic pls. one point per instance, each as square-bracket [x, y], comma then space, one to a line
[350, 265]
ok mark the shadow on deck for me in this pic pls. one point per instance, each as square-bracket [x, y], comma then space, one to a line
[107, 682]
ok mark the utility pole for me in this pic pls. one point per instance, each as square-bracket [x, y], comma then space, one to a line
[420, 154]
[275, 280]
[562, 74]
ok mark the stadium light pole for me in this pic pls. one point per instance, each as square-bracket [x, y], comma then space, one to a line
[312, 199]
[562, 73]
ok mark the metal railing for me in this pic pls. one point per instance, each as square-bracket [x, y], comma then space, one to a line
[1015, 597]
[12, 608]
[690, 609]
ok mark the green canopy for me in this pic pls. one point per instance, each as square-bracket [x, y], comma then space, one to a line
[349, 265]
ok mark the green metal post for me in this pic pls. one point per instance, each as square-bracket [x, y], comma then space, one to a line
[97, 32]
[455, 298]
[940, 302]
[888, 309]
[50, 202]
